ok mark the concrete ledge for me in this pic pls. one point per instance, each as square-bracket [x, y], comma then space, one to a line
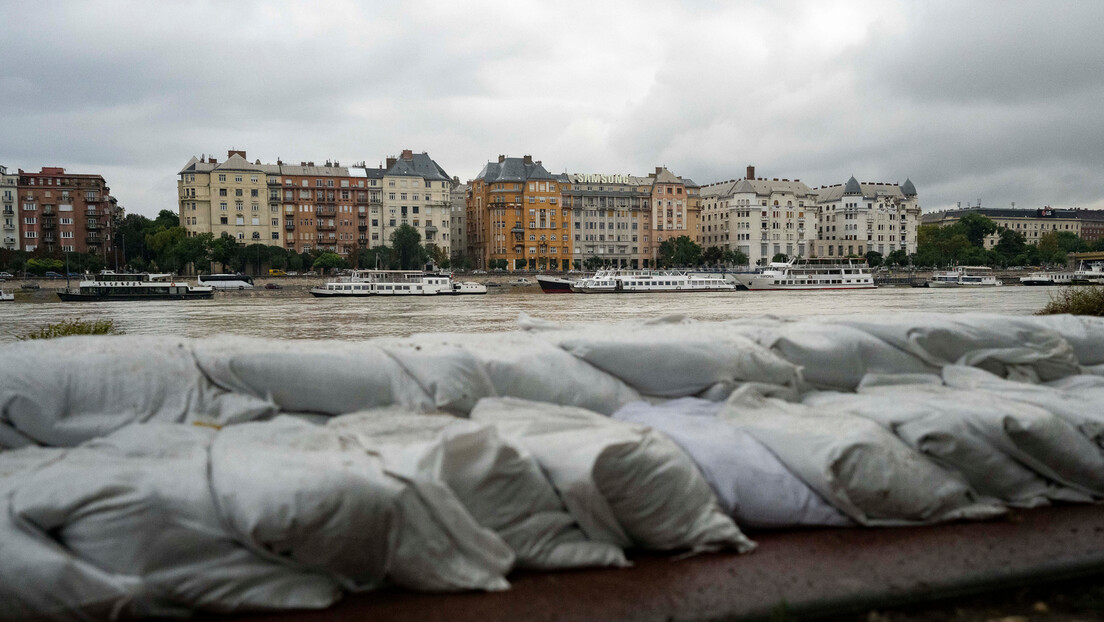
[798, 573]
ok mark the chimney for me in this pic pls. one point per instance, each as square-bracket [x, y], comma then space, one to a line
[528, 159]
[230, 154]
[390, 162]
[302, 163]
[750, 172]
[775, 179]
[407, 154]
[212, 161]
[310, 163]
[501, 158]
[539, 163]
[659, 169]
[279, 162]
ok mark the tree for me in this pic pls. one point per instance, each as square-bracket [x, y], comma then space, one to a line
[592, 263]
[976, 227]
[162, 243]
[780, 258]
[41, 266]
[328, 261]
[680, 251]
[897, 258]
[1011, 245]
[407, 243]
[873, 259]
[735, 258]
[226, 251]
[713, 255]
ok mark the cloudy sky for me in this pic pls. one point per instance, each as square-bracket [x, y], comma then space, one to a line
[999, 101]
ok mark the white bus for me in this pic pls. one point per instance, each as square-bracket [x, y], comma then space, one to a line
[226, 281]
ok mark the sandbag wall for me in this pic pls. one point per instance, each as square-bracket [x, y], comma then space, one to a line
[155, 476]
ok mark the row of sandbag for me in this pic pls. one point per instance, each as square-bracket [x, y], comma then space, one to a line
[164, 519]
[63, 392]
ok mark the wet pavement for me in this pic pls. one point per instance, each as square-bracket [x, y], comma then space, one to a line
[793, 574]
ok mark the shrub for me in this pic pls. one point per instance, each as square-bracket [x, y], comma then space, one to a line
[66, 328]
[1077, 301]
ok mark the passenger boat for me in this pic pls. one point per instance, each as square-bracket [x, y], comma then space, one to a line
[642, 281]
[1047, 278]
[965, 276]
[805, 274]
[1093, 274]
[396, 283]
[108, 286]
[226, 281]
[554, 284]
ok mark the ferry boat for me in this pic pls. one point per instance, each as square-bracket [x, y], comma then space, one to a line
[226, 281]
[1093, 274]
[554, 284]
[965, 276]
[806, 274]
[619, 281]
[362, 283]
[108, 286]
[1047, 278]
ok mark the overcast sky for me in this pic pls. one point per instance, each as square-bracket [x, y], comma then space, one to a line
[999, 101]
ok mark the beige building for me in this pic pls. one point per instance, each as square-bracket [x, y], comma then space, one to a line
[9, 214]
[1031, 223]
[230, 197]
[858, 218]
[417, 192]
[458, 201]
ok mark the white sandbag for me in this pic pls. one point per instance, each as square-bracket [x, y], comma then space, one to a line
[138, 503]
[752, 485]
[855, 464]
[41, 580]
[1085, 333]
[310, 495]
[624, 483]
[675, 359]
[1004, 346]
[528, 367]
[62, 392]
[1078, 400]
[1006, 450]
[500, 485]
[327, 377]
[450, 375]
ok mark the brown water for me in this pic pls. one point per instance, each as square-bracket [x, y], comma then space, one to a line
[292, 313]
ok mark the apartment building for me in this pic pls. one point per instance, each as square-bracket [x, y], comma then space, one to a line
[1033, 224]
[230, 197]
[1092, 224]
[675, 210]
[515, 213]
[417, 192]
[857, 218]
[458, 201]
[9, 215]
[60, 211]
[760, 217]
[322, 207]
[611, 218]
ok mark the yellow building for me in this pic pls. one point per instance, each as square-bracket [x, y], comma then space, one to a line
[229, 197]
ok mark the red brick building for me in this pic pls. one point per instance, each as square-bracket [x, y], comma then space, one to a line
[66, 212]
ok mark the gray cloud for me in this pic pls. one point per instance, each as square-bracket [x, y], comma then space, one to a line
[990, 100]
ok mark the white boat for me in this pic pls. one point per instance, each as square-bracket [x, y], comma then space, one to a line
[965, 276]
[1092, 274]
[805, 274]
[642, 281]
[6, 296]
[396, 283]
[226, 281]
[107, 286]
[1047, 278]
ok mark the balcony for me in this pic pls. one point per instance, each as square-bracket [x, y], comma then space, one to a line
[49, 239]
[48, 209]
[9, 211]
[48, 224]
[362, 227]
[92, 225]
[362, 241]
[93, 241]
[324, 211]
[290, 226]
[91, 213]
[326, 227]
[361, 199]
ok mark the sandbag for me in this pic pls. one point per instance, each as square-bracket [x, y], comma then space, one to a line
[61, 392]
[138, 503]
[1014, 452]
[670, 358]
[1084, 333]
[528, 367]
[624, 483]
[500, 485]
[41, 580]
[308, 494]
[326, 377]
[855, 464]
[751, 484]
[1005, 347]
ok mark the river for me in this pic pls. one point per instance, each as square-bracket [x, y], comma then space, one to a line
[292, 313]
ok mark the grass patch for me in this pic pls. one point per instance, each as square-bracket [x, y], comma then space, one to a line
[1084, 300]
[66, 328]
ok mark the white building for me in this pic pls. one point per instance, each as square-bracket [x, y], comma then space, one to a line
[417, 192]
[857, 218]
[9, 221]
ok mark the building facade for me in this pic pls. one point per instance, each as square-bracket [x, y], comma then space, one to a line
[458, 201]
[515, 214]
[65, 212]
[1092, 224]
[610, 217]
[1033, 224]
[9, 214]
[858, 218]
[417, 192]
[675, 210]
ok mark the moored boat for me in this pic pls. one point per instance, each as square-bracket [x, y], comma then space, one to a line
[1092, 274]
[806, 274]
[643, 281]
[6, 296]
[362, 283]
[554, 284]
[965, 276]
[1047, 278]
[107, 286]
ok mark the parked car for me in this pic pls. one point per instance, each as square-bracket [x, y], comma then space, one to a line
[293, 273]
[277, 272]
[311, 273]
[6, 275]
[273, 286]
[53, 275]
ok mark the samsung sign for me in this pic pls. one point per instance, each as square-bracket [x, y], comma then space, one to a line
[601, 179]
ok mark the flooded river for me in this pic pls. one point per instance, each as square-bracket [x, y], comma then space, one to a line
[291, 313]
